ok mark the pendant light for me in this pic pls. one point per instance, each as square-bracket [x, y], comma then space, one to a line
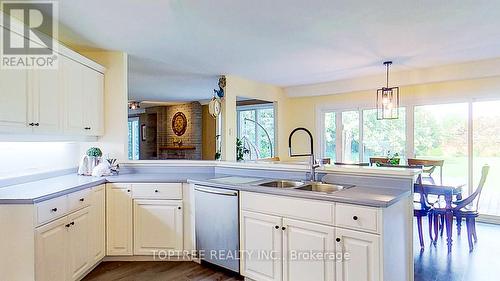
[387, 99]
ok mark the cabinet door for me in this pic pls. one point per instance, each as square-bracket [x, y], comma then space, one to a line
[309, 251]
[51, 251]
[94, 101]
[361, 253]
[75, 103]
[157, 226]
[118, 220]
[261, 245]
[78, 243]
[98, 222]
[14, 98]
[46, 100]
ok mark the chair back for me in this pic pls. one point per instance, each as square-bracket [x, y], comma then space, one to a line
[352, 164]
[422, 191]
[476, 195]
[380, 160]
[429, 167]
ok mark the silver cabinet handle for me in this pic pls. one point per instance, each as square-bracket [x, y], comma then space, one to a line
[215, 191]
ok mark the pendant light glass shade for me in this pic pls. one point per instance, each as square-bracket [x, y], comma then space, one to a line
[388, 100]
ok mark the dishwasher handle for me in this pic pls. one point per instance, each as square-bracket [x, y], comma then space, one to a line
[216, 191]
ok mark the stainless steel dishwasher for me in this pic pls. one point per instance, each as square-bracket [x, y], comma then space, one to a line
[217, 226]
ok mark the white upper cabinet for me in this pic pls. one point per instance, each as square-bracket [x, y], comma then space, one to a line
[45, 100]
[14, 98]
[84, 98]
[67, 101]
[93, 87]
[73, 96]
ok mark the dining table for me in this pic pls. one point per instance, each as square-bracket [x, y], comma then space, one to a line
[448, 191]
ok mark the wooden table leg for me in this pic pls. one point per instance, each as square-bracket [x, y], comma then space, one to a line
[449, 220]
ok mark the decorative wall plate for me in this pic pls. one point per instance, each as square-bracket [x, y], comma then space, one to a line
[179, 123]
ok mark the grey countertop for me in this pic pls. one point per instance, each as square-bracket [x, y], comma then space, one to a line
[40, 190]
[380, 197]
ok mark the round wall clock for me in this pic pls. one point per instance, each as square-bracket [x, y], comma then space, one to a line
[179, 123]
[214, 107]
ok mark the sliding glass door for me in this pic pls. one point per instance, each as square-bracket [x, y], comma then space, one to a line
[441, 133]
[486, 147]
[350, 137]
[383, 137]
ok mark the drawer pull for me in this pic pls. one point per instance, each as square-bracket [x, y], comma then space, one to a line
[283, 228]
[128, 190]
[156, 190]
[338, 239]
[277, 227]
[355, 218]
[82, 199]
[179, 208]
[68, 225]
[54, 210]
[72, 223]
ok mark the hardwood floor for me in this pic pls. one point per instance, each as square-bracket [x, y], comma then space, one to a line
[432, 264]
[435, 264]
[158, 271]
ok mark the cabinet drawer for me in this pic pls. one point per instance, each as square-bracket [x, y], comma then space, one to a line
[358, 217]
[309, 210]
[157, 190]
[51, 209]
[79, 199]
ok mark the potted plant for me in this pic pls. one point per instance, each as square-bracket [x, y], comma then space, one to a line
[94, 154]
[393, 159]
[240, 150]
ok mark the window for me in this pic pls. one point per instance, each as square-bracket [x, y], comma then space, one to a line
[350, 136]
[133, 138]
[330, 144]
[381, 137]
[465, 135]
[440, 132]
[256, 130]
[486, 147]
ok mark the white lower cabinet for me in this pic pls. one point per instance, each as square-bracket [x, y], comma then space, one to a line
[142, 219]
[98, 225]
[306, 250]
[62, 247]
[78, 243]
[277, 248]
[262, 245]
[361, 256]
[309, 251]
[158, 225]
[51, 251]
[119, 220]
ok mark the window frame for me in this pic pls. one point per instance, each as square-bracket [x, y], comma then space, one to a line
[410, 127]
[255, 108]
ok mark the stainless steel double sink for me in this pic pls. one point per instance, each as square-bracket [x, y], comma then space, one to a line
[306, 186]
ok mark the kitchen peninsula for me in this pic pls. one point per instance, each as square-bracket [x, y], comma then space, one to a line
[117, 217]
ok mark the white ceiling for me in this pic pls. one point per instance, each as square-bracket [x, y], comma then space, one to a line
[178, 48]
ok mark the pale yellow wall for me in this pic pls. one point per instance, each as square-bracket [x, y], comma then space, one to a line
[302, 112]
[236, 86]
[114, 141]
